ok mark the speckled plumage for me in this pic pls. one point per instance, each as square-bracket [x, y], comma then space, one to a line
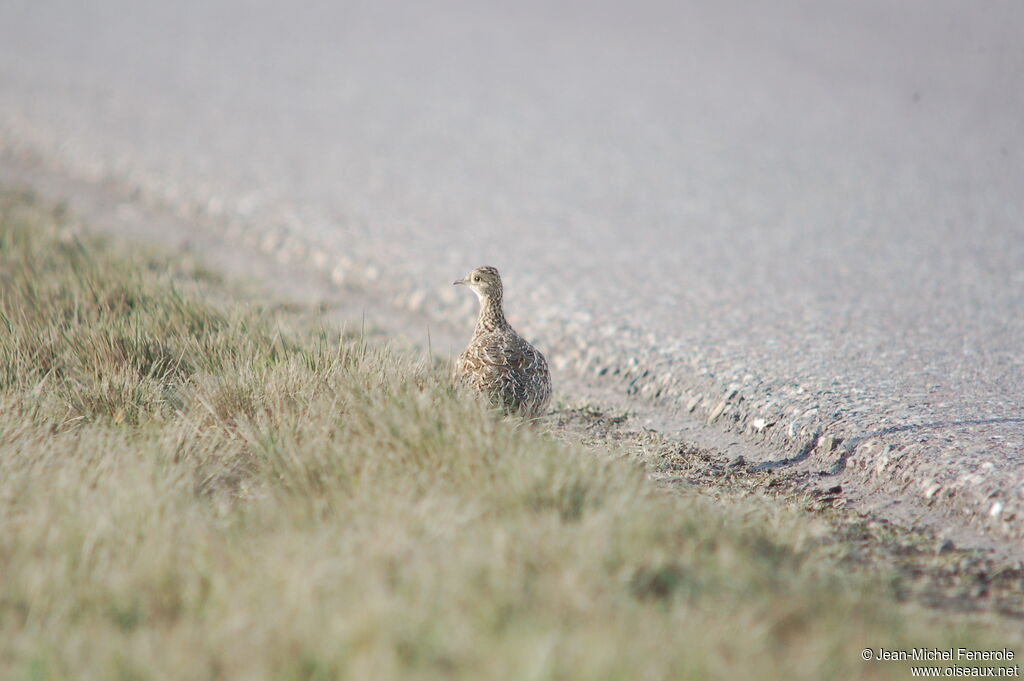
[499, 363]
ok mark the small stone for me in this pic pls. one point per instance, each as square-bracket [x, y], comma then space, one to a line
[416, 300]
[270, 242]
[717, 411]
[215, 205]
[761, 424]
[945, 547]
[338, 275]
[318, 259]
[828, 443]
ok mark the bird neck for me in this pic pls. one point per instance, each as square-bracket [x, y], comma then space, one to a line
[492, 316]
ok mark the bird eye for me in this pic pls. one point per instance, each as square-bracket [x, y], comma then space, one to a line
[476, 277]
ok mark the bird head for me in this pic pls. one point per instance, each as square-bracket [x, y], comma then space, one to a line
[485, 282]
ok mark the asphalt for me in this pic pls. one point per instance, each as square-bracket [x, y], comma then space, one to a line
[802, 221]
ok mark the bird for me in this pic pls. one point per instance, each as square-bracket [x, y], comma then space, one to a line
[498, 363]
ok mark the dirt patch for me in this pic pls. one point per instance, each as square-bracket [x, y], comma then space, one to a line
[928, 569]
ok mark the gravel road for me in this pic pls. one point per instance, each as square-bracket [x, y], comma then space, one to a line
[802, 221]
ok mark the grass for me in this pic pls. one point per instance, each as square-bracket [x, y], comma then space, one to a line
[199, 490]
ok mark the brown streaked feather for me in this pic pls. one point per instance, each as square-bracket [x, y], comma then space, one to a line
[500, 364]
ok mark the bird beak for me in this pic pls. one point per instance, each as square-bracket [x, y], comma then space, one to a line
[460, 281]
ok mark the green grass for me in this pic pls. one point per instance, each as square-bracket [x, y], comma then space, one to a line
[191, 490]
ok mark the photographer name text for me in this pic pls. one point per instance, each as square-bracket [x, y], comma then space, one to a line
[931, 654]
